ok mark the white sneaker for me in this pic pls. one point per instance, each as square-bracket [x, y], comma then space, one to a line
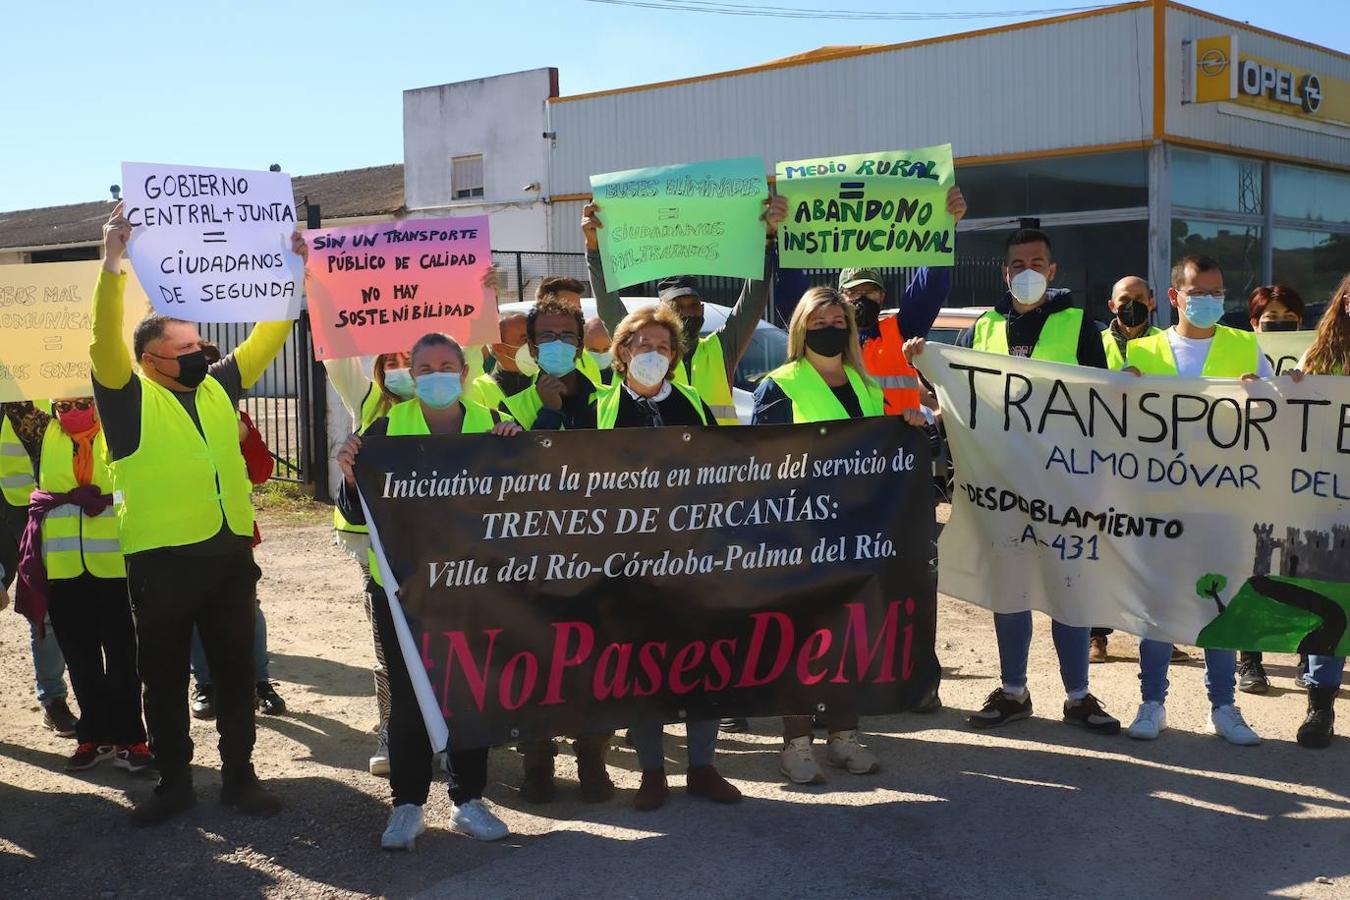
[846, 753]
[405, 824]
[1227, 723]
[797, 762]
[477, 821]
[1149, 722]
[379, 762]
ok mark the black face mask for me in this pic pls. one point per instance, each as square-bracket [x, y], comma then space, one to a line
[866, 312]
[828, 341]
[1279, 325]
[1132, 314]
[191, 369]
[693, 325]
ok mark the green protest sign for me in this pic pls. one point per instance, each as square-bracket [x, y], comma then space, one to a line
[869, 209]
[693, 219]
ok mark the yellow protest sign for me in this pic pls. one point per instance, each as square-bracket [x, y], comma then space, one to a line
[45, 315]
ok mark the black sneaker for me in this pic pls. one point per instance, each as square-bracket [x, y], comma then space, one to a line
[134, 757]
[88, 755]
[203, 702]
[269, 702]
[1001, 708]
[1088, 713]
[930, 702]
[56, 716]
[245, 792]
[1319, 726]
[166, 802]
[1252, 677]
[733, 726]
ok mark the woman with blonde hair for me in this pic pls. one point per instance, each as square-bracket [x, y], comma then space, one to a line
[1328, 355]
[823, 380]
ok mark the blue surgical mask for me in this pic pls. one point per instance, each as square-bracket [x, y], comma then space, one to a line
[399, 382]
[439, 390]
[1204, 310]
[602, 360]
[557, 358]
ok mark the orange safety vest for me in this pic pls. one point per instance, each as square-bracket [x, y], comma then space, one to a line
[885, 360]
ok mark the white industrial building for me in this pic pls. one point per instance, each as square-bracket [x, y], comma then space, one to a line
[1134, 134]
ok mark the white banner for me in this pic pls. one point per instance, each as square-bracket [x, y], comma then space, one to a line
[213, 245]
[1199, 511]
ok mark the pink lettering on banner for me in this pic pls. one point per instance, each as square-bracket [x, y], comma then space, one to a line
[378, 288]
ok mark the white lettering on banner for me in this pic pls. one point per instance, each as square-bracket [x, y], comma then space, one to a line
[1200, 511]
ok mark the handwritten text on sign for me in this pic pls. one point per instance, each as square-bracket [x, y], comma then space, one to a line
[378, 288]
[872, 209]
[45, 325]
[213, 245]
[693, 219]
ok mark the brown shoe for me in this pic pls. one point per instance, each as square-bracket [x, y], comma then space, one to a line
[653, 792]
[1097, 648]
[537, 785]
[708, 783]
[596, 786]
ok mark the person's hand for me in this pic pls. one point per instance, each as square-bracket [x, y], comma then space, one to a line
[243, 431]
[116, 234]
[589, 223]
[299, 246]
[914, 417]
[1251, 376]
[1296, 375]
[492, 279]
[550, 390]
[775, 211]
[1133, 371]
[507, 429]
[913, 348]
[956, 203]
[346, 458]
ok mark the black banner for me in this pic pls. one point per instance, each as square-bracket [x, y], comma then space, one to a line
[570, 582]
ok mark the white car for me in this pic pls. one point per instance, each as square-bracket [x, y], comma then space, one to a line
[767, 350]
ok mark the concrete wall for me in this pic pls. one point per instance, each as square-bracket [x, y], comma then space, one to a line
[504, 119]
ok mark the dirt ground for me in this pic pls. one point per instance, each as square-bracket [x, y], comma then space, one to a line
[1033, 810]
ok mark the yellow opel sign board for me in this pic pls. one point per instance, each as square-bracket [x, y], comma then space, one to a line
[1218, 71]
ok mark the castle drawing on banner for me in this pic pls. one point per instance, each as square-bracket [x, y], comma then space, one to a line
[1303, 554]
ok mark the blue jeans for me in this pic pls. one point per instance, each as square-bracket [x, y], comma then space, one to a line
[1014, 648]
[646, 738]
[201, 671]
[1326, 671]
[1220, 673]
[49, 666]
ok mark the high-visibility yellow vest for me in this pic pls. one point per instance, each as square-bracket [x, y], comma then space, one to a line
[814, 401]
[607, 404]
[372, 407]
[526, 405]
[16, 467]
[1058, 341]
[485, 391]
[179, 487]
[1232, 354]
[591, 369]
[709, 378]
[1114, 358]
[72, 542]
[406, 419]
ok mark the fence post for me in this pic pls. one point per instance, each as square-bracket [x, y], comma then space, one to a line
[520, 278]
[316, 430]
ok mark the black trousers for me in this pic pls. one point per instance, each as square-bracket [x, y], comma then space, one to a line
[410, 756]
[170, 594]
[92, 620]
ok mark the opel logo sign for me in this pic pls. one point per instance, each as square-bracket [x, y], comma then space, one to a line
[1312, 93]
[1213, 62]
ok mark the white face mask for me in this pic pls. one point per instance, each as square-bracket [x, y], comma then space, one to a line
[525, 362]
[649, 369]
[602, 360]
[1027, 286]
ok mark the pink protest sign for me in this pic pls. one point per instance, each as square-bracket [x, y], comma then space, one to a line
[378, 288]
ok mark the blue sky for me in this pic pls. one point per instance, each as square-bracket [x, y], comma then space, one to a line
[318, 87]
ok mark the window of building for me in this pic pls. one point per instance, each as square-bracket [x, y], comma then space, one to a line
[1062, 184]
[1235, 247]
[1311, 194]
[1210, 181]
[1312, 263]
[466, 177]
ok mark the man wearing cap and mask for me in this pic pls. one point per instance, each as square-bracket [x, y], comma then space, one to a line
[1032, 320]
[709, 360]
[1132, 304]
